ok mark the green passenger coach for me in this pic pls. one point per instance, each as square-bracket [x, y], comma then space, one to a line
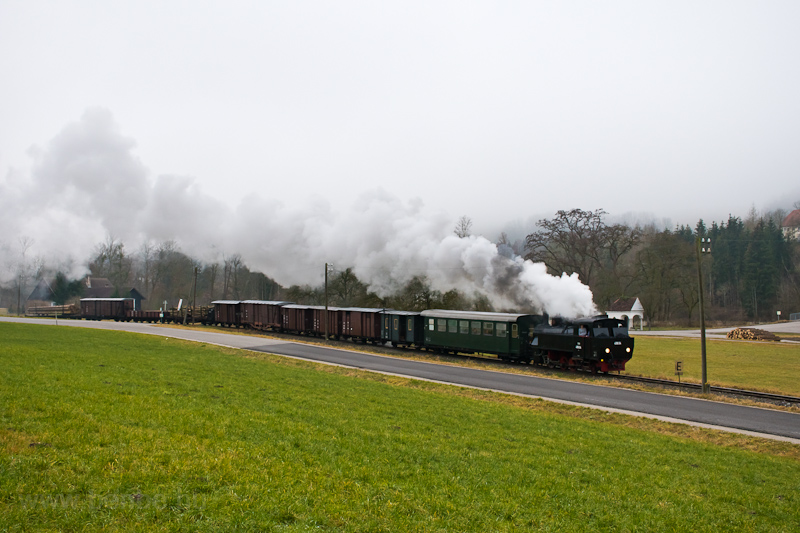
[501, 334]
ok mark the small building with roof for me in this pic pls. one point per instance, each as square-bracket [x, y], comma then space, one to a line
[103, 288]
[628, 309]
[98, 288]
[42, 294]
[791, 225]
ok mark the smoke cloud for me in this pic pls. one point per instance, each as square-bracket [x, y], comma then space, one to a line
[87, 183]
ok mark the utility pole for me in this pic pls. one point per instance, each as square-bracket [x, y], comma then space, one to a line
[194, 295]
[325, 318]
[706, 248]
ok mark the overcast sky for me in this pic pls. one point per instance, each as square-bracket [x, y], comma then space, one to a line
[498, 110]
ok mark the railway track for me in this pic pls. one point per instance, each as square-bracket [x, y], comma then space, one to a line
[776, 398]
[694, 387]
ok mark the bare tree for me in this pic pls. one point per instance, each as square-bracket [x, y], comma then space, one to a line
[147, 256]
[212, 274]
[112, 262]
[463, 227]
[230, 276]
[23, 269]
[580, 241]
[347, 290]
[573, 241]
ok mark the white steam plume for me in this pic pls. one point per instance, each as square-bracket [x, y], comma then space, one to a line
[87, 183]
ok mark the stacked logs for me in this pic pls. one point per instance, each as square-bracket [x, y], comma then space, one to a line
[752, 334]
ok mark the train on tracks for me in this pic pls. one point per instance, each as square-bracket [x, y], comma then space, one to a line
[594, 344]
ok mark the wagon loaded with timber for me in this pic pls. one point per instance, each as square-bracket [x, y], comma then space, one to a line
[54, 311]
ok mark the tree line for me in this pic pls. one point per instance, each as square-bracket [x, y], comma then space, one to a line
[749, 266]
[749, 275]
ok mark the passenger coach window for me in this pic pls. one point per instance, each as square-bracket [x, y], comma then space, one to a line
[501, 330]
[452, 326]
[430, 324]
[476, 328]
[488, 328]
[442, 325]
[463, 327]
[514, 331]
[396, 322]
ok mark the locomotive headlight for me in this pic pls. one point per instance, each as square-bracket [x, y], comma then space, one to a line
[628, 349]
[608, 350]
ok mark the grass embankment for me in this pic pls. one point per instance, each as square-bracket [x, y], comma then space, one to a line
[765, 366]
[116, 431]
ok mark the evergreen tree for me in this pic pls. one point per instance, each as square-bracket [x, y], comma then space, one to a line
[761, 275]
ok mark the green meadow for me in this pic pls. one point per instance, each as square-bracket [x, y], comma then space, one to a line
[765, 366]
[112, 431]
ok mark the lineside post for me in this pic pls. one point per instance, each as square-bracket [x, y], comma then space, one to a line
[706, 248]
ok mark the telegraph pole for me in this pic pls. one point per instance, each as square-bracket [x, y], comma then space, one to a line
[194, 295]
[706, 248]
[326, 302]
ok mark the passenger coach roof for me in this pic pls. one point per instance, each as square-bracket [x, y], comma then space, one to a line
[299, 306]
[265, 302]
[472, 315]
[226, 302]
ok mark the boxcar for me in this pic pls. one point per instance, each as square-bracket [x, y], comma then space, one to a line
[596, 344]
[402, 328]
[105, 308]
[261, 314]
[501, 334]
[227, 312]
[310, 320]
[360, 323]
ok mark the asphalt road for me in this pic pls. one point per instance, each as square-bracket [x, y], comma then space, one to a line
[780, 424]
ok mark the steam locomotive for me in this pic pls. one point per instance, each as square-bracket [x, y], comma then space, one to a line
[595, 344]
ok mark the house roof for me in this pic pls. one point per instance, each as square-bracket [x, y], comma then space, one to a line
[98, 288]
[792, 220]
[626, 304]
[97, 283]
[42, 291]
[135, 294]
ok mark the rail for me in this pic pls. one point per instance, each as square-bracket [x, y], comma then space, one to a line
[719, 390]
[766, 396]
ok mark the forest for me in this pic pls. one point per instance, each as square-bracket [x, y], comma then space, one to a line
[749, 271]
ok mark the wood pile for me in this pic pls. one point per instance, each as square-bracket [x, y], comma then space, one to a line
[752, 334]
[53, 310]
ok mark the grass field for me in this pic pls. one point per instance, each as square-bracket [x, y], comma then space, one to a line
[766, 366]
[112, 431]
